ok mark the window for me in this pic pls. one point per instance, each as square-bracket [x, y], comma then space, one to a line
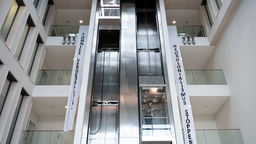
[9, 20]
[204, 2]
[32, 58]
[14, 120]
[36, 3]
[4, 93]
[219, 3]
[23, 38]
[22, 41]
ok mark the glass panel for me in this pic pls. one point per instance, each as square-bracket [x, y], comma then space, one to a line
[14, 120]
[4, 93]
[154, 112]
[54, 77]
[46, 13]
[9, 20]
[199, 77]
[56, 30]
[223, 137]
[32, 58]
[110, 2]
[189, 77]
[219, 3]
[22, 42]
[48, 137]
[36, 3]
[209, 14]
[200, 136]
[110, 12]
[205, 77]
[193, 31]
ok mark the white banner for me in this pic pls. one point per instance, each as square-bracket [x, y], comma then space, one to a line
[181, 85]
[76, 78]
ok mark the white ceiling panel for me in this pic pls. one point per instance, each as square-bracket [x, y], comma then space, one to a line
[60, 2]
[207, 104]
[73, 16]
[50, 106]
[75, 2]
[178, 2]
[193, 6]
[195, 2]
[81, 6]
[177, 7]
[183, 16]
[61, 6]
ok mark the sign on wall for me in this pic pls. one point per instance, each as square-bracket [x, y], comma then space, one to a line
[76, 78]
[181, 85]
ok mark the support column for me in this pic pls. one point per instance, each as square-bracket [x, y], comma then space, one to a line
[129, 117]
[81, 132]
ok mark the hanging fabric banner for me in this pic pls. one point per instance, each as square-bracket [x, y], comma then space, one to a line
[181, 85]
[76, 78]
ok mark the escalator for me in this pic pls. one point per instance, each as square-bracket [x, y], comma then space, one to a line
[103, 127]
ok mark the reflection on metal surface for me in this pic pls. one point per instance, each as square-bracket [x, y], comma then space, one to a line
[129, 120]
[105, 92]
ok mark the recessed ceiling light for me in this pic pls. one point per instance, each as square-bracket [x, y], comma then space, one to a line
[81, 21]
[174, 22]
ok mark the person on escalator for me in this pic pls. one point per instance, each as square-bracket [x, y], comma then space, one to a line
[149, 112]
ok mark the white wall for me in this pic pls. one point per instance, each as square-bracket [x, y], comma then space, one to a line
[50, 123]
[33, 116]
[235, 53]
[204, 121]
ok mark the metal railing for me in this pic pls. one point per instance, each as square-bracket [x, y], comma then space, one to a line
[54, 77]
[47, 137]
[205, 77]
[63, 30]
[219, 136]
[192, 31]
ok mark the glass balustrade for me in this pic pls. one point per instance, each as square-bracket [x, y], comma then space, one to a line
[192, 31]
[47, 137]
[54, 77]
[193, 77]
[63, 30]
[205, 77]
[219, 136]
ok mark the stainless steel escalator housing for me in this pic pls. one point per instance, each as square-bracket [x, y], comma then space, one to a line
[104, 111]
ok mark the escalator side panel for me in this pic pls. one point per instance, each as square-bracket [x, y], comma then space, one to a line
[108, 130]
[103, 123]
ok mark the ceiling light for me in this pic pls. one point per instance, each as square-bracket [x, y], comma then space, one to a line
[81, 21]
[66, 106]
[174, 22]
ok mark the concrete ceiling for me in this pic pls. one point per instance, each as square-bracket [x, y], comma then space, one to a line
[72, 16]
[183, 17]
[59, 57]
[50, 106]
[195, 57]
[182, 4]
[207, 104]
[86, 4]
[73, 4]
